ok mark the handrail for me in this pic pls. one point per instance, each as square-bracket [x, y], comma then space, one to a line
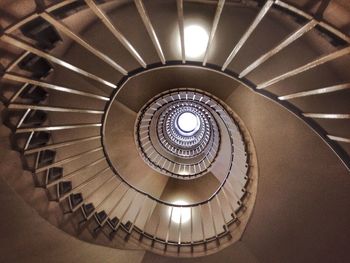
[328, 139]
[121, 85]
[336, 148]
[140, 140]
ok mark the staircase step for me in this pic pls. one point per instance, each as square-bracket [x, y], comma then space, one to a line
[42, 32]
[113, 222]
[101, 216]
[64, 187]
[75, 200]
[35, 118]
[38, 66]
[88, 209]
[34, 93]
[39, 139]
[54, 174]
[46, 157]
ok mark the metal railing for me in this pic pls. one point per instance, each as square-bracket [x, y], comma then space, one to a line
[154, 227]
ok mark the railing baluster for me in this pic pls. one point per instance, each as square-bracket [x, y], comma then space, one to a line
[28, 141]
[229, 203]
[221, 211]
[157, 228]
[26, 80]
[322, 24]
[19, 124]
[53, 109]
[202, 224]
[104, 199]
[110, 213]
[249, 31]
[169, 225]
[68, 160]
[60, 145]
[326, 116]
[324, 59]
[290, 39]
[151, 32]
[14, 63]
[122, 39]
[191, 238]
[179, 228]
[338, 139]
[83, 184]
[34, 15]
[109, 194]
[28, 47]
[18, 93]
[76, 172]
[57, 128]
[106, 219]
[212, 219]
[137, 214]
[64, 29]
[217, 16]
[180, 14]
[228, 182]
[316, 91]
[149, 216]
[126, 210]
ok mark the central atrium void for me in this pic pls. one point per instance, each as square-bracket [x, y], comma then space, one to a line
[188, 122]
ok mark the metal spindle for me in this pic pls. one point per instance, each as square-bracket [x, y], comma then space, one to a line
[18, 93]
[123, 40]
[68, 160]
[138, 213]
[180, 13]
[58, 127]
[324, 59]
[286, 42]
[83, 184]
[24, 116]
[76, 172]
[325, 90]
[249, 31]
[212, 219]
[216, 20]
[228, 201]
[12, 40]
[179, 228]
[61, 144]
[149, 216]
[64, 29]
[26, 80]
[53, 109]
[202, 224]
[117, 203]
[126, 210]
[151, 32]
[169, 225]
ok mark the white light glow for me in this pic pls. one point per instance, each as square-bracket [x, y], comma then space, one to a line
[196, 40]
[182, 214]
[187, 122]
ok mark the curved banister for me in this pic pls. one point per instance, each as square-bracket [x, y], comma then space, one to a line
[330, 140]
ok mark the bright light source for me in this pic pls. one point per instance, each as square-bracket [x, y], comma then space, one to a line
[187, 121]
[196, 40]
[182, 214]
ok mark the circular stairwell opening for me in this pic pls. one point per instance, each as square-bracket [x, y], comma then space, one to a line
[189, 155]
[144, 198]
[188, 123]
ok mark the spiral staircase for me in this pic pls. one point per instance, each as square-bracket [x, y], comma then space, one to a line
[126, 141]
